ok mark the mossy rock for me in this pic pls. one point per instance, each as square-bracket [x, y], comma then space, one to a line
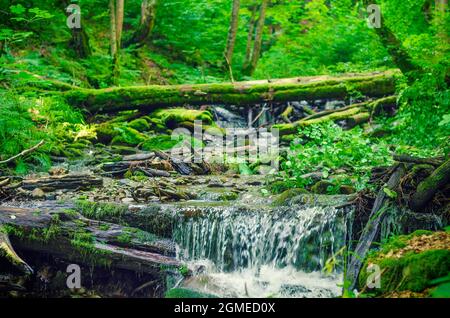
[346, 189]
[186, 293]
[284, 197]
[119, 134]
[161, 142]
[228, 196]
[321, 187]
[139, 124]
[172, 117]
[412, 271]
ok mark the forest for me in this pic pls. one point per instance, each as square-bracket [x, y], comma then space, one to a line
[224, 149]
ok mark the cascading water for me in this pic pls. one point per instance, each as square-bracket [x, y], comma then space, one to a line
[263, 252]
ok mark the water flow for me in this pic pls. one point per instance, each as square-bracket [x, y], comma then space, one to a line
[271, 251]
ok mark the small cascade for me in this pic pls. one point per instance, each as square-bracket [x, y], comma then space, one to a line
[233, 238]
[259, 243]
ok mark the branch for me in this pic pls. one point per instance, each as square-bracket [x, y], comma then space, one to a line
[23, 153]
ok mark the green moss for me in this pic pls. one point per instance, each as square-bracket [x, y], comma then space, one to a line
[284, 197]
[99, 211]
[161, 142]
[172, 117]
[321, 187]
[139, 125]
[119, 134]
[186, 293]
[411, 271]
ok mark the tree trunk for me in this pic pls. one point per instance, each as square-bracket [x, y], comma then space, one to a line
[148, 14]
[113, 40]
[234, 23]
[428, 187]
[80, 39]
[394, 46]
[251, 30]
[258, 39]
[119, 21]
[148, 98]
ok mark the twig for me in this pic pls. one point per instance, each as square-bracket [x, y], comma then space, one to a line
[23, 153]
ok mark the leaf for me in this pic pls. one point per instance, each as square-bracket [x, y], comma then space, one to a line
[17, 9]
[390, 193]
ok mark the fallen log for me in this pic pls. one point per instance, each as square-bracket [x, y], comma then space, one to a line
[148, 98]
[353, 115]
[428, 187]
[68, 235]
[81, 181]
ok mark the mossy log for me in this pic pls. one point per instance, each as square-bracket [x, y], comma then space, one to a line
[352, 115]
[148, 98]
[66, 234]
[428, 187]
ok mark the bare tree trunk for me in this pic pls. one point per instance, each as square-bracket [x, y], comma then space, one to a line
[113, 39]
[119, 21]
[231, 40]
[251, 30]
[148, 15]
[258, 39]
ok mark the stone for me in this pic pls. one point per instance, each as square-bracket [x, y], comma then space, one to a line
[38, 193]
[321, 187]
[346, 189]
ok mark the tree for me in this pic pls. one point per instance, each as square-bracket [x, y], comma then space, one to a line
[234, 22]
[119, 21]
[148, 14]
[113, 38]
[80, 39]
[394, 46]
[250, 67]
[251, 30]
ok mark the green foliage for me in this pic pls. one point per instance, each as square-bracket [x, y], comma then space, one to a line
[327, 147]
[186, 293]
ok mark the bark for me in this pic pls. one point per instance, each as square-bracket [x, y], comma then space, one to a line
[62, 182]
[231, 40]
[119, 21]
[258, 39]
[148, 98]
[251, 30]
[428, 187]
[148, 14]
[113, 40]
[394, 46]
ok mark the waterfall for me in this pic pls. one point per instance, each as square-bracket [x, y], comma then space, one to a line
[235, 238]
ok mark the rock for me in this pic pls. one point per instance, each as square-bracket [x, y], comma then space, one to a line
[58, 171]
[127, 200]
[38, 193]
[139, 124]
[284, 197]
[321, 187]
[346, 189]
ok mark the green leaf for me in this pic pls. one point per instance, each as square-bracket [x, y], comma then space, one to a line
[18, 9]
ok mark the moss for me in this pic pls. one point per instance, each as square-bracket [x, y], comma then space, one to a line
[172, 117]
[321, 187]
[161, 142]
[98, 210]
[411, 271]
[139, 125]
[123, 150]
[119, 134]
[228, 196]
[186, 293]
[284, 197]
